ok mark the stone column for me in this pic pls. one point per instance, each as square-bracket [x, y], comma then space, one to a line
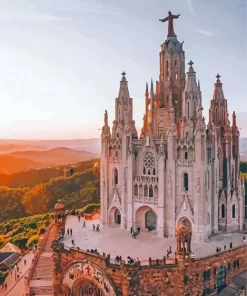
[161, 196]
[129, 176]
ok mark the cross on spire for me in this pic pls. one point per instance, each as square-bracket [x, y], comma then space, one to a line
[123, 74]
[190, 63]
[218, 76]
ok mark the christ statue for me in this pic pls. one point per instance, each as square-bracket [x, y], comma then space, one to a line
[170, 18]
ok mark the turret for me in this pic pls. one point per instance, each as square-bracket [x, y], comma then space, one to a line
[191, 96]
[219, 104]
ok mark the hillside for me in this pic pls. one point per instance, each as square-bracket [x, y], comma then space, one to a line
[75, 191]
[35, 159]
[33, 177]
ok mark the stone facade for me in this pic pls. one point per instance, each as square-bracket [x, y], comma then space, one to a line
[179, 167]
[191, 277]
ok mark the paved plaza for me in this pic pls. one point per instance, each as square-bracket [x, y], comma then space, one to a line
[116, 241]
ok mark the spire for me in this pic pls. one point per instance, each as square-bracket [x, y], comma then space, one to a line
[198, 84]
[152, 86]
[123, 90]
[146, 93]
[218, 91]
[191, 83]
[234, 119]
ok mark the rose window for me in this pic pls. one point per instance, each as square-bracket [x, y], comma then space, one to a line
[149, 164]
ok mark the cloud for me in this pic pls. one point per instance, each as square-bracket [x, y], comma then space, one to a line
[205, 33]
[191, 6]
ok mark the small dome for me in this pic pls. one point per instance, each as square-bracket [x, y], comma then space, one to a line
[59, 206]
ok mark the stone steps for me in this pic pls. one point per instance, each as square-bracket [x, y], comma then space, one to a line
[41, 283]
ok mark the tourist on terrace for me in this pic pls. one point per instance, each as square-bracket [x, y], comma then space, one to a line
[84, 224]
[70, 231]
[93, 227]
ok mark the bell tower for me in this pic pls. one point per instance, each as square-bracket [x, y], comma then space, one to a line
[172, 69]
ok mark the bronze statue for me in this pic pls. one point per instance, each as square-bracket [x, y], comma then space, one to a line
[170, 18]
[106, 118]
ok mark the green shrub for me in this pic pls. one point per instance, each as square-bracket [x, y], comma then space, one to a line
[33, 241]
[19, 240]
[88, 209]
[3, 275]
[18, 230]
[2, 241]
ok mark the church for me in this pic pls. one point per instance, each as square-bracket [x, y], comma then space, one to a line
[179, 169]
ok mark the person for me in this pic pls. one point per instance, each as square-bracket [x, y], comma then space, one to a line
[70, 231]
[131, 230]
[25, 262]
[84, 224]
[5, 285]
[93, 227]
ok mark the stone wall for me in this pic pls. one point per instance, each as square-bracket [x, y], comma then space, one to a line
[157, 278]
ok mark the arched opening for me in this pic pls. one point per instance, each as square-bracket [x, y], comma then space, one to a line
[114, 216]
[150, 191]
[153, 171]
[117, 216]
[188, 110]
[216, 114]
[116, 154]
[141, 192]
[186, 181]
[167, 69]
[150, 220]
[82, 278]
[145, 191]
[156, 192]
[175, 63]
[146, 218]
[115, 176]
[161, 128]
[183, 235]
[176, 76]
[221, 279]
[223, 211]
[83, 286]
[233, 211]
[136, 189]
[185, 155]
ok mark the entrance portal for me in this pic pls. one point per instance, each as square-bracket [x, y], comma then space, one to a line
[84, 287]
[150, 220]
[117, 216]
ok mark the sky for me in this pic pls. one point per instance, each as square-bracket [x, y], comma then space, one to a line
[61, 60]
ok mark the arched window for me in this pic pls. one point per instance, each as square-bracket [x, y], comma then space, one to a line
[222, 115]
[153, 171]
[175, 63]
[148, 163]
[223, 211]
[167, 68]
[233, 211]
[145, 190]
[188, 110]
[167, 101]
[216, 114]
[186, 182]
[161, 128]
[116, 153]
[176, 76]
[186, 155]
[115, 176]
[136, 189]
[150, 191]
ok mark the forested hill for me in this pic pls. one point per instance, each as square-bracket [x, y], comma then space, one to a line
[39, 191]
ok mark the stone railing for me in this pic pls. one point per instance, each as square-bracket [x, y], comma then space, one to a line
[146, 199]
[37, 255]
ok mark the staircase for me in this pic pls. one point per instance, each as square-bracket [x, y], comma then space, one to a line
[41, 282]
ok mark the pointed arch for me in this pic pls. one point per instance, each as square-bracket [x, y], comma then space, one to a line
[151, 191]
[161, 128]
[135, 189]
[233, 211]
[186, 181]
[188, 110]
[167, 68]
[223, 211]
[115, 176]
[145, 190]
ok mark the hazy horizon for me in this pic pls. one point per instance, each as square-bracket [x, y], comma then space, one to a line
[61, 61]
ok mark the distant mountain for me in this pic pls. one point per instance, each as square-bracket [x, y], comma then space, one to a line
[6, 148]
[90, 145]
[33, 159]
